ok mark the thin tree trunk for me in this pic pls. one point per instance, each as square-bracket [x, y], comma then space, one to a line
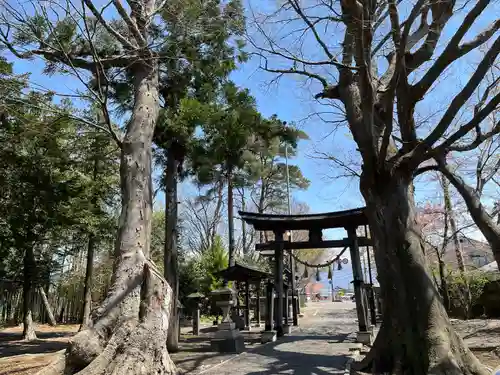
[453, 225]
[442, 269]
[478, 213]
[29, 271]
[243, 223]
[48, 308]
[418, 339]
[89, 267]
[466, 302]
[444, 283]
[217, 213]
[87, 288]
[230, 215]
[171, 266]
[129, 328]
[260, 209]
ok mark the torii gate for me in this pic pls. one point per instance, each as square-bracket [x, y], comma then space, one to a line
[350, 220]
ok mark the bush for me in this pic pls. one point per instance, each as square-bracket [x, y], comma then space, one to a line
[457, 283]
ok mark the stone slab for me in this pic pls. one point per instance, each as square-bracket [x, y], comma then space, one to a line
[268, 336]
[226, 326]
[364, 337]
[228, 341]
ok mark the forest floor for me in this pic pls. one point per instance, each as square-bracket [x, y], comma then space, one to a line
[26, 358]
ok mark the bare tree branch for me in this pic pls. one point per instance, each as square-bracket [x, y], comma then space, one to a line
[132, 26]
[124, 41]
[454, 51]
[460, 99]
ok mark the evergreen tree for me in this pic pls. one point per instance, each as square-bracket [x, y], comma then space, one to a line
[43, 189]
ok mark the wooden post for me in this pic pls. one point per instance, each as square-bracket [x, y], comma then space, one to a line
[237, 285]
[247, 305]
[285, 292]
[257, 308]
[269, 307]
[358, 279]
[196, 321]
[295, 312]
[278, 283]
[372, 292]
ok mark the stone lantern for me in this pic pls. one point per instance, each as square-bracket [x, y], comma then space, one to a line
[227, 339]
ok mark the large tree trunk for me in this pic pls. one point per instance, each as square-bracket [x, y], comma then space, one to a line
[128, 331]
[171, 266]
[29, 271]
[418, 339]
[48, 308]
[87, 288]
[482, 219]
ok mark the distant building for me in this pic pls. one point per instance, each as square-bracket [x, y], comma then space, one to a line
[476, 253]
[490, 267]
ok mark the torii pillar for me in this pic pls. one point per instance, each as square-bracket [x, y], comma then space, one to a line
[278, 281]
[365, 333]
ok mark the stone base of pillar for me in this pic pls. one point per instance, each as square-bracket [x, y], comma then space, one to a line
[259, 325]
[287, 329]
[268, 336]
[226, 326]
[228, 341]
[365, 337]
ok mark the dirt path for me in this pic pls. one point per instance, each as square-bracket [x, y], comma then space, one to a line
[25, 358]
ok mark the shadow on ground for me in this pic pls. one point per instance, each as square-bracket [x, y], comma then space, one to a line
[47, 342]
[298, 355]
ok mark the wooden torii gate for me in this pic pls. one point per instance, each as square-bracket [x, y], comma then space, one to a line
[314, 224]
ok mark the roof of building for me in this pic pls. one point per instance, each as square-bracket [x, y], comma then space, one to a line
[490, 267]
[475, 253]
[243, 272]
[338, 219]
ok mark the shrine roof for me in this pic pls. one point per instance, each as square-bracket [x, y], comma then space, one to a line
[338, 219]
[243, 272]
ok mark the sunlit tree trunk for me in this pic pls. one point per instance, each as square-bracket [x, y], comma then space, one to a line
[129, 328]
[171, 261]
[29, 273]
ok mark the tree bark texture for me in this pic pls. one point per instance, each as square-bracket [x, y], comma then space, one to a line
[128, 330]
[478, 213]
[418, 339]
[48, 308]
[171, 266]
[29, 272]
